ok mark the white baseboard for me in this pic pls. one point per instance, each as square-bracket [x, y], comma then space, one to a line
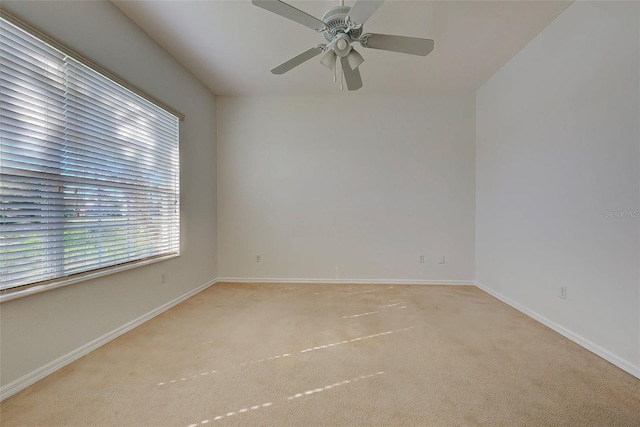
[345, 281]
[621, 363]
[38, 374]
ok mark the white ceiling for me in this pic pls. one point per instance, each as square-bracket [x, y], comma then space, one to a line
[231, 45]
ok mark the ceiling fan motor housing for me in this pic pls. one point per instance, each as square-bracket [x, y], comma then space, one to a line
[335, 20]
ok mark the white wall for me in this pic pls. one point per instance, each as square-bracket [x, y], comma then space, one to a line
[558, 179]
[346, 186]
[39, 329]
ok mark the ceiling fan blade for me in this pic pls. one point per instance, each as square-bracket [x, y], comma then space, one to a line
[297, 60]
[351, 77]
[286, 10]
[410, 45]
[363, 9]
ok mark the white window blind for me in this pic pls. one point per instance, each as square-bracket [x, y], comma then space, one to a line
[88, 169]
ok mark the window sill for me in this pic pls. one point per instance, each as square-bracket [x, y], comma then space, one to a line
[12, 294]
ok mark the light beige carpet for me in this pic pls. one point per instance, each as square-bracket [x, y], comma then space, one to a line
[335, 355]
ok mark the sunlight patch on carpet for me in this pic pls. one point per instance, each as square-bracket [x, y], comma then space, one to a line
[355, 339]
[330, 386]
[231, 414]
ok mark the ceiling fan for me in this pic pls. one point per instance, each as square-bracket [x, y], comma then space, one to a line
[342, 26]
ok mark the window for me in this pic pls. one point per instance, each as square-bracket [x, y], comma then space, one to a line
[88, 168]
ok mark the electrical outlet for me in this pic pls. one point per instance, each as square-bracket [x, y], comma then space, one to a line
[421, 260]
[257, 258]
[563, 292]
[162, 277]
[442, 260]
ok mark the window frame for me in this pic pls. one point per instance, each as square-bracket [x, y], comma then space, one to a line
[34, 288]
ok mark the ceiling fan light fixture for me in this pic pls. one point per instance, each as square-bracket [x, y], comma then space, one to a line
[354, 59]
[341, 44]
[329, 59]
